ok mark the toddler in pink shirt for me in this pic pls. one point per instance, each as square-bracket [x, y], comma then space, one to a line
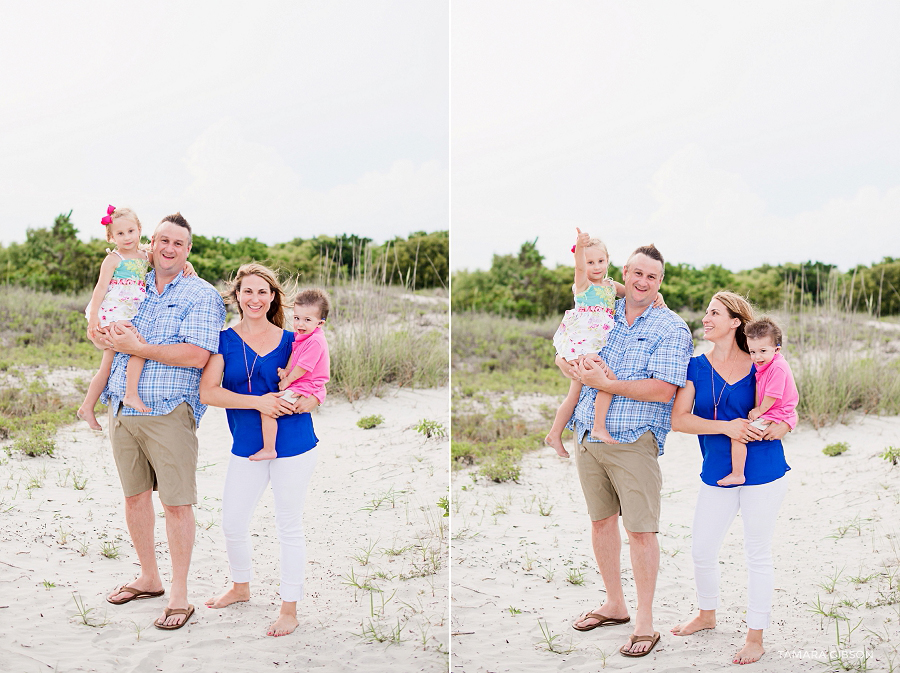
[776, 392]
[308, 369]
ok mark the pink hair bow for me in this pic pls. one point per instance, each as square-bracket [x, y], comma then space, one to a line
[108, 219]
[573, 248]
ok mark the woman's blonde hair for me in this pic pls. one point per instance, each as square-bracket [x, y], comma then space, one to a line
[275, 314]
[117, 213]
[738, 307]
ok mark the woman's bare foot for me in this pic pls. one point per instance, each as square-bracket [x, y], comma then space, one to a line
[238, 593]
[556, 442]
[702, 621]
[87, 415]
[602, 435]
[749, 653]
[135, 402]
[732, 480]
[265, 454]
[285, 624]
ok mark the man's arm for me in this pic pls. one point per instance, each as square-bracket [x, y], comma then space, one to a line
[593, 374]
[123, 340]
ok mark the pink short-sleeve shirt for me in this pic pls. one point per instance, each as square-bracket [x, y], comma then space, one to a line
[310, 352]
[775, 379]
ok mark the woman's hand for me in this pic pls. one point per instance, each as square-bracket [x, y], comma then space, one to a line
[304, 404]
[272, 405]
[776, 431]
[739, 429]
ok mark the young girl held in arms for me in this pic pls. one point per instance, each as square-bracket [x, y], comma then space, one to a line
[584, 331]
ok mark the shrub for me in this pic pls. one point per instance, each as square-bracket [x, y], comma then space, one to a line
[38, 442]
[835, 449]
[891, 453]
[369, 422]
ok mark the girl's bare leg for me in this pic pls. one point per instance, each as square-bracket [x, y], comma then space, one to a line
[132, 375]
[563, 414]
[239, 592]
[269, 433]
[287, 620]
[601, 407]
[95, 389]
[738, 460]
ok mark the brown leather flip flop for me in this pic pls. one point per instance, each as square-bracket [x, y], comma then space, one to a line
[188, 612]
[625, 650]
[603, 621]
[135, 594]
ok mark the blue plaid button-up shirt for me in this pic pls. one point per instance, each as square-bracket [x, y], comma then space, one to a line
[657, 346]
[189, 310]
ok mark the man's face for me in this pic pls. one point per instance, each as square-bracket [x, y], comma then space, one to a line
[170, 247]
[642, 276]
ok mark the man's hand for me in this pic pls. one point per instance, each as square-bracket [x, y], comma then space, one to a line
[123, 337]
[593, 372]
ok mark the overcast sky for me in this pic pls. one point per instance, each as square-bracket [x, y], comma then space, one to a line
[269, 119]
[728, 133]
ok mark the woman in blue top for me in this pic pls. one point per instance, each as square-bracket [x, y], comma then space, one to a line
[243, 378]
[720, 391]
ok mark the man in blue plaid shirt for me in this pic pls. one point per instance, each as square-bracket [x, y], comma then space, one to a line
[643, 363]
[178, 326]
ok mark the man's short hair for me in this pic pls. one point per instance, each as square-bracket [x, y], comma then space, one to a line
[763, 327]
[653, 253]
[315, 297]
[178, 219]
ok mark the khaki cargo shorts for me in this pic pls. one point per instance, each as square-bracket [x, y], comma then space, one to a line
[157, 452]
[622, 479]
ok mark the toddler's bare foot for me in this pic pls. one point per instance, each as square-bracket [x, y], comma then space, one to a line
[602, 435]
[265, 454]
[698, 623]
[282, 626]
[234, 595]
[87, 415]
[556, 442]
[135, 402]
[732, 480]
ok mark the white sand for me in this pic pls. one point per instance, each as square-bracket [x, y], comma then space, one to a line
[39, 625]
[503, 551]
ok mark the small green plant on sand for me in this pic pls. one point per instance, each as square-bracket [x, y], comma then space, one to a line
[444, 504]
[549, 640]
[110, 549]
[892, 453]
[430, 428]
[575, 576]
[369, 422]
[514, 611]
[835, 449]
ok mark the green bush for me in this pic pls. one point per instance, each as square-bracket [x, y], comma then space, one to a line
[369, 422]
[38, 442]
[835, 449]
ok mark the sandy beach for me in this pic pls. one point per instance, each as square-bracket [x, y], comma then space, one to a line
[377, 544]
[837, 542]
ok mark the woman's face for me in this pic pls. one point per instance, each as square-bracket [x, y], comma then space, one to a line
[718, 323]
[254, 297]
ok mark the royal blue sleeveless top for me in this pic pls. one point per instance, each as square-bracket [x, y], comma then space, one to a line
[295, 432]
[765, 459]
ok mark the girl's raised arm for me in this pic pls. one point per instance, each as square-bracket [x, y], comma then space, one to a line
[581, 279]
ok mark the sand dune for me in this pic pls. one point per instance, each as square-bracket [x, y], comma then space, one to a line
[510, 564]
[375, 489]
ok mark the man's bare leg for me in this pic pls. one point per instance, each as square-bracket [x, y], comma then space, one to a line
[607, 543]
[140, 518]
[180, 528]
[645, 565]
[287, 620]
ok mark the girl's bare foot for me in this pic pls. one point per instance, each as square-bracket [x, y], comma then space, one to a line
[732, 480]
[265, 454]
[602, 435]
[236, 594]
[135, 402]
[556, 442]
[749, 653]
[87, 415]
[282, 626]
[698, 623]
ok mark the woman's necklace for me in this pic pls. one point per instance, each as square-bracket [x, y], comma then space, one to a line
[712, 384]
[248, 367]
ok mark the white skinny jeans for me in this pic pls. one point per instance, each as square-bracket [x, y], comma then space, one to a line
[244, 485]
[716, 509]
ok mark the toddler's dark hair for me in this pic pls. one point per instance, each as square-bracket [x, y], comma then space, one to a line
[763, 327]
[315, 297]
